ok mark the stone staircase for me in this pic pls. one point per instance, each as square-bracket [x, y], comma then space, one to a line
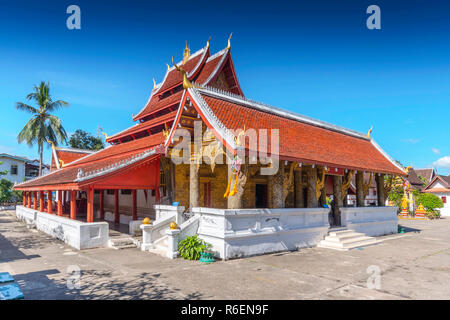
[160, 246]
[343, 240]
[123, 242]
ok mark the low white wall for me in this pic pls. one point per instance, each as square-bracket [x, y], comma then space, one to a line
[373, 221]
[163, 211]
[246, 232]
[80, 235]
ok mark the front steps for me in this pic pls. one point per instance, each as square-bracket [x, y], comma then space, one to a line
[160, 246]
[123, 242]
[343, 240]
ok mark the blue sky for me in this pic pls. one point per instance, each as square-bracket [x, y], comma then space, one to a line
[313, 57]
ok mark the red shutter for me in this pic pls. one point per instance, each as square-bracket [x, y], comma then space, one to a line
[444, 199]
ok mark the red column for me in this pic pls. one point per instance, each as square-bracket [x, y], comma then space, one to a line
[29, 199]
[90, 205]
[134, 205]
[24, 201]
[50, 202]
[34, 200]
[102, 209]
[41, 201]
[73, 205]
[60, 200]
[116, 206]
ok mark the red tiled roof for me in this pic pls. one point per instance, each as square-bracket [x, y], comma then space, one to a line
[98, 160]
[302, 141]
[208, 68]
[144, 126]
[68, 155]
[428, 174]
[156, 103]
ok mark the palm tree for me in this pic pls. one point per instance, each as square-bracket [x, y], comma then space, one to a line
[43, 126]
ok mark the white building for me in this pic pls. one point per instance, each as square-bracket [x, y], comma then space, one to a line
[18, 168]
[440, 186]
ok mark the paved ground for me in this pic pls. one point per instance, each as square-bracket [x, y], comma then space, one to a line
[414, 265]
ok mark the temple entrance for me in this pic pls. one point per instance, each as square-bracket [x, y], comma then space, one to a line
[261, 196]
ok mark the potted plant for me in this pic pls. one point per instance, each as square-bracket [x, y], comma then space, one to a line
[194, 248]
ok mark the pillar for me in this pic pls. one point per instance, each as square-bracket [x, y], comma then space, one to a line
[34, 200]
[323, 193]
[337, 199]
[90, 205]
[50, 202]
[29, 199]
[381, 192]
[299, 190]
[116, 207]
[102, 208]
[311, 196]
[360, 189]
[134, 205]
[60, 203]
[194, 185]
[41, 201]
[24, 200]
[276, 181]
[73, 205]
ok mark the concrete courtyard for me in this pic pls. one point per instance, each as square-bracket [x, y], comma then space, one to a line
[413, 265]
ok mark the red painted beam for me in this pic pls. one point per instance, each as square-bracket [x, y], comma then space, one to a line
[73, 205]
[50, 202]
[60, 208]
[90, 205]
[35, 200]
[41, 201]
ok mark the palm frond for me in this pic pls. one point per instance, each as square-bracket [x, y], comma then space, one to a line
[53, 106]
[26, 107]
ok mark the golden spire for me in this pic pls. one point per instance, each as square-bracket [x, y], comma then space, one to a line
[229, 41]
[207, 42]
[51, 142]
[168, 67]
[186, 83]
[186, 54]
[370, 131]
[106, 136]
[154, 83]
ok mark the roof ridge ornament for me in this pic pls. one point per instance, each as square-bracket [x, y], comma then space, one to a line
[370, 131]
[229, 41]
[186, 54]
[51, 142]
[186, 83]
[207, 42]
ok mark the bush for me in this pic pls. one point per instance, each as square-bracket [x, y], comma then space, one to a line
[430, 201]
[191, 247]
[6, 191]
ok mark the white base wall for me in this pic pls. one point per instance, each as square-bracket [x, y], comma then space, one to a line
[372, 221]
[80, 235]
[246, 232]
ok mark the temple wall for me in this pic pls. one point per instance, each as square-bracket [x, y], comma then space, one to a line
[245, 232]
[77, 234]
[373, 221]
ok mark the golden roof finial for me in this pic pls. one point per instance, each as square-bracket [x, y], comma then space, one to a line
[186, 54]
[154, 83]
[370, 131]
[229, 41]
[51, 142]
[106, 136]
[207, 42]
[186, 83]
[168, 67]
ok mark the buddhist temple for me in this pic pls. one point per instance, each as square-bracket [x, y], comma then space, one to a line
[241, 155]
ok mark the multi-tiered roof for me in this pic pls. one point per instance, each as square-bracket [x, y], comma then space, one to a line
[204, 86]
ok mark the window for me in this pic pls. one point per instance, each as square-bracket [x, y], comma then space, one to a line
[444, 199]
[126, 191]
[110, 192]
[14, 169]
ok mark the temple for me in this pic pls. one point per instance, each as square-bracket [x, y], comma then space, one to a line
[254, 178]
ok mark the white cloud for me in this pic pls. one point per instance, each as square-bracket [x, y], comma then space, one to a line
[443, 162]
[411, 140]
[436, 151]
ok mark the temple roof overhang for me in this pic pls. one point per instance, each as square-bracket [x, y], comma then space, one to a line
[103, 166]
[301, 139]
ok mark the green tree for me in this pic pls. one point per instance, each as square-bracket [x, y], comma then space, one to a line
[5, 190]
[83, 140]
[43, 126]
[2, 173]
[430, 201]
